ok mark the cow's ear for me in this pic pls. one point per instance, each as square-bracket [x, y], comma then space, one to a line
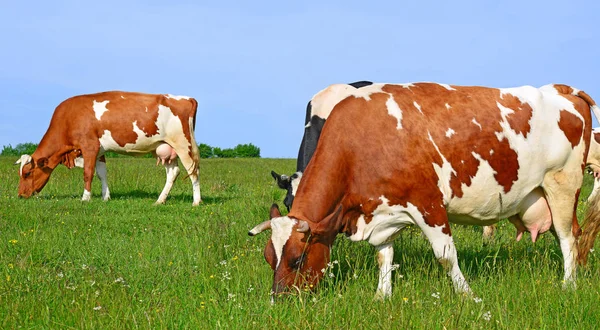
[42, 162]
[274, 212]
[331, 224]
[283, 181]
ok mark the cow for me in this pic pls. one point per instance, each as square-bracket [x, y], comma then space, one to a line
[317, 112]
[428, 154]
[84, 127]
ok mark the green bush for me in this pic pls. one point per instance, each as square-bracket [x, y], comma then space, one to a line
[206, 151]
[20, 149]
[240, 151]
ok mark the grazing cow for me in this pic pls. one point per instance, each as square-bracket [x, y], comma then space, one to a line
[428, 154]
[317, 111]
[87, 126]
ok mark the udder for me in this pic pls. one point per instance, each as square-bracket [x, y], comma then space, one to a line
[534, 215]
[165, 154]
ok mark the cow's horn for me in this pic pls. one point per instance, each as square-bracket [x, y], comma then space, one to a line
[260, 228]
[303, 227]
[24, 160]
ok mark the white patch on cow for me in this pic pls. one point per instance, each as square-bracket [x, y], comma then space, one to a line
[448, 106]
[87, 195]
[417, 106]
[394, 111]
[386, 223]
[491, 151]
[324, 101]
[296, 182]
[444, 173]
[474, 121]
[448, 87]
[99, 108]
[407, 85]
[504, 111]
[281, 229]
[177, 97]
[450, 132]
[123, 97]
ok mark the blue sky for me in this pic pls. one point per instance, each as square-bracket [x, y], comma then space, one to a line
[253, 65]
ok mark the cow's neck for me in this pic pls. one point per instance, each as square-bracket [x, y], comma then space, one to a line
[320, 192]
[51, 145]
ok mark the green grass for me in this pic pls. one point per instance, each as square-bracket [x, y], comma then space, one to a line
[127, 263]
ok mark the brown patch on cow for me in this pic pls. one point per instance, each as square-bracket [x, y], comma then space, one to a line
[572, 126]
[597, 137]
[520, 118]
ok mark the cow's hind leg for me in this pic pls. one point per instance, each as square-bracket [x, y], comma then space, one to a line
[436, 228]
[172, 169]
[562, 190]
[101, 173]
[192, 169]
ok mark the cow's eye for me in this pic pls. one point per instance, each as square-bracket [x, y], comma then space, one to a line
[297, 262]
[26, 175]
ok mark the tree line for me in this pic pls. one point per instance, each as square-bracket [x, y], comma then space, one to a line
[240, 151]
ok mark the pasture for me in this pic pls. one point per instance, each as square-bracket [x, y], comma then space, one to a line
[127, 263]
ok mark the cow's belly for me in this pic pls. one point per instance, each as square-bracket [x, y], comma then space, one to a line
[142, 145]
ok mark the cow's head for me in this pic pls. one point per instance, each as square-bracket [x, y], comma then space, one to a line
[34, 173]
[290, 184]
[298, 251]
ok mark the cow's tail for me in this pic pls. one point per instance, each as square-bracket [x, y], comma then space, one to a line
[591, 223]
[194, 145]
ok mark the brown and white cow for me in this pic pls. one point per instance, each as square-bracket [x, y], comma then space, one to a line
[430, 154]
[87, 126]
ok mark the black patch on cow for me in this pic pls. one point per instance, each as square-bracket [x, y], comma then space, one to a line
[359, 84]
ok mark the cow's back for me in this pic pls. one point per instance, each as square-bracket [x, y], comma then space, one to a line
[479, 150]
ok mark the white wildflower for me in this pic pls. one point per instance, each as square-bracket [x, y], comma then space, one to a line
[436, 295]
[477, 300]
[84, 266]
[487, 316]
[97, 308]
[61, 275]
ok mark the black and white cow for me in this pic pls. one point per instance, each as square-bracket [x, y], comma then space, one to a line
[316, 115]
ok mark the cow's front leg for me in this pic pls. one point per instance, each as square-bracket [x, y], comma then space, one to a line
[437, 229]
[89, 167]
[385, 256]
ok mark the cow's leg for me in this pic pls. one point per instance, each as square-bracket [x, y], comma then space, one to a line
[385, 256]
[488, 232]
[436, 228]
[89, 167]
[172, 169]
[101, 173]
[191, 167]
[562, 190]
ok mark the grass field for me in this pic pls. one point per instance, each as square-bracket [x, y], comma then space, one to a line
[127, 263]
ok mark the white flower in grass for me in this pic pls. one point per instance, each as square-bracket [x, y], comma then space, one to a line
[395, 266]
[331, 275]
[436, 295]
[97, 308]
[230, 296]
[120, 280]
[60, 275]
[84, 266]
[250, 289]
[355, 276]
[487, 316]
[477, 300]
[223, 262]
